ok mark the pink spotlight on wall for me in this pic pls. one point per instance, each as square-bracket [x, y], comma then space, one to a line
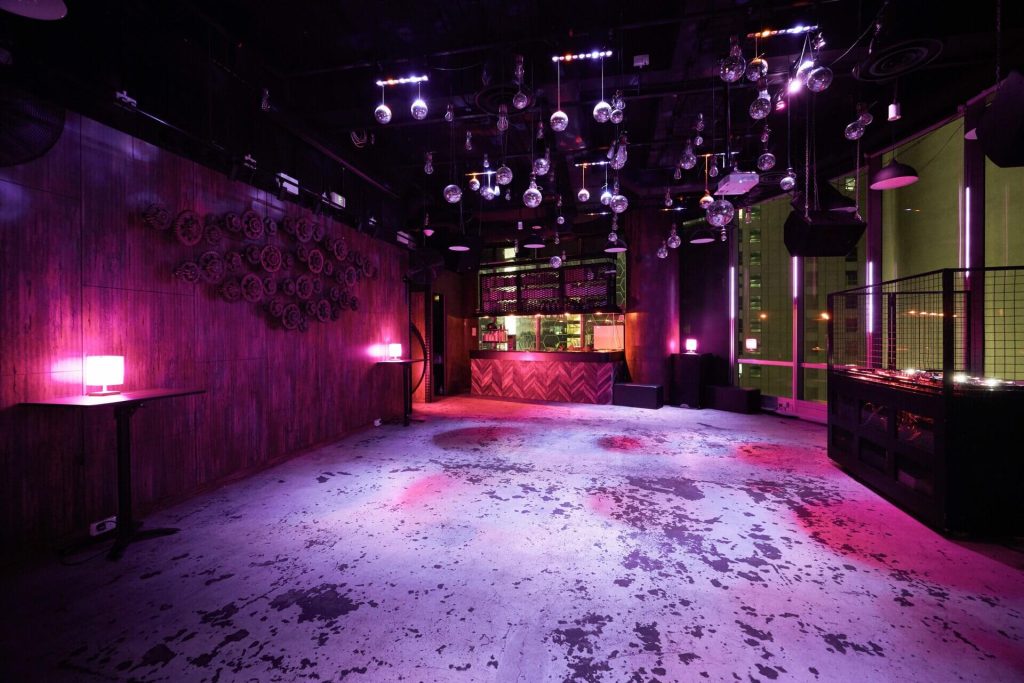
[690, 345]
[103, 371]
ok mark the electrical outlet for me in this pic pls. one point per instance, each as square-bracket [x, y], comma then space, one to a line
[784, 406]
[103, 526]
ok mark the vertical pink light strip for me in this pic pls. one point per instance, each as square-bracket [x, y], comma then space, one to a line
[732, 320]
[871, 300]
[795, 273]
[967, 229]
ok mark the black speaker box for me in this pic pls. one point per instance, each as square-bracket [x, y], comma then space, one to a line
[1001, 131]
[822, 233]
[638, 395]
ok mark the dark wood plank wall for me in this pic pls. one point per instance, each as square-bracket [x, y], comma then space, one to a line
[459, 291]
[652, 299]
[80, 275]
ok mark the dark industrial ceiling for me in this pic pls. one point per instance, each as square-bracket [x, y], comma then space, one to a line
[207, 67]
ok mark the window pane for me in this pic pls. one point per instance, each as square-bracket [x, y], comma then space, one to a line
[921, 222]
[772, 380]
[764, 303]
[814, 385]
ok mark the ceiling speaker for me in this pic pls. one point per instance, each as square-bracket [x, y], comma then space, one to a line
[1001, 130]
[822, 233]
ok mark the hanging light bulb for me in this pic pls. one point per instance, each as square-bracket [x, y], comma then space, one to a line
[757, 69]
[766, 161]
[618, 202]
[469, 141]
[584, 194]
[557, 240]
[677, 174]
[541, 165]
[688, 159]
[698, 140]
[713, 171]
[748, 217]
[419, 107]
[854, 131]
[559, 120]
[618, 101]
[618, 159]
[487, 162]
[720, 212]
[383, 112]
[452, 193]
[788, 181]
[449, 113]
[555, 261]
[561, 221]
[613, 236]
[706, 200]
[819, 78]
[474, 184]
[731, 68]
[863, 115]
[722, 234]
[508, 195]
[673, 240]
[532, 197]
[502, 117]
[428, 163]
[668, 199]
[765, 134]
[520, 100]
[762, 106]
[698, 124]
[616, 116]
[503, 175]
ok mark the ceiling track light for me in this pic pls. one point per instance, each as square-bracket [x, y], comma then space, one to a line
[402, 81]
[567, 57]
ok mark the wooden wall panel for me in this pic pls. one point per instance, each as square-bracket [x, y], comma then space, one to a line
[79, 274]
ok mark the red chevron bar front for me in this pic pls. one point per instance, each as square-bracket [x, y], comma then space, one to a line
[571, 377]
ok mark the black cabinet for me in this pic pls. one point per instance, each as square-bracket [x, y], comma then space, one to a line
[691, 375]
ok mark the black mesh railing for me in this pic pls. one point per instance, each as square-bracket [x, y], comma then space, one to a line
[952, 326]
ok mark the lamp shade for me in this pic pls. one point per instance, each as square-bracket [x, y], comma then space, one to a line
[690, 345]
[394, 350]
[534, 242]
[702, 236]
[459, 244]
[893, 175]
[103, 371]
[616, 247]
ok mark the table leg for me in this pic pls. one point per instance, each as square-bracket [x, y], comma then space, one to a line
[406, 394]
[127, 527]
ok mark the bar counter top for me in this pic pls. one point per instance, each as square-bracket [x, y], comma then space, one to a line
[563, 356]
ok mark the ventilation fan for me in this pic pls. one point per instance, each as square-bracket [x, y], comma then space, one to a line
[31, 126]
[424, 266]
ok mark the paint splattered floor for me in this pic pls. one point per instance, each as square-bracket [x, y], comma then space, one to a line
[500, 541]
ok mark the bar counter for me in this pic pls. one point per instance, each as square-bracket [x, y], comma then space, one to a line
[567, 376]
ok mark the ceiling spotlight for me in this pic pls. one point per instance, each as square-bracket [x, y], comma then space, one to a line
[895, 114]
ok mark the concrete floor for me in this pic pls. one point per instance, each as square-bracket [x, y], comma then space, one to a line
[501, 541]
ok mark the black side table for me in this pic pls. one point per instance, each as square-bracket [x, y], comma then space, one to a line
[125, 405]
[406, 364]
